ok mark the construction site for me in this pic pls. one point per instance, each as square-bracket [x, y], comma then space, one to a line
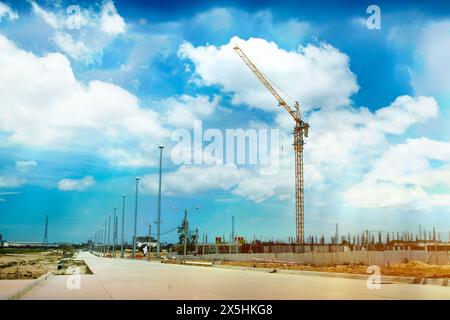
[119, 260]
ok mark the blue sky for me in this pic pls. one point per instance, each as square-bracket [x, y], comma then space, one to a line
[84, 106]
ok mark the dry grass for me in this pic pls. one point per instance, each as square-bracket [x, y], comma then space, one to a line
[28, 265]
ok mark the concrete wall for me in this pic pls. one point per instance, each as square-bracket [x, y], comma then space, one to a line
[381, 258]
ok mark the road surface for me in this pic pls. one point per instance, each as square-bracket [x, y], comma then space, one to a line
[134, 279]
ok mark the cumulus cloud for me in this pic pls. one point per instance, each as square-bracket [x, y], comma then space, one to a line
[110, 21]
[50, 18]
[11, 181]
[45, 105]
[99, 29]
[184, 110]
[195, 179]
[25, 166]
[404, 175]
[7, 12]
[354, 135]
[76, 184]
[73, 48]
[319, 75]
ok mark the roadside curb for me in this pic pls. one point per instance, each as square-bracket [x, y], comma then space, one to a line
[19, 294]
[384, 279]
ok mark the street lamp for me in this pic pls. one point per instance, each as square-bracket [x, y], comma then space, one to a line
[135, 218]
[114, 235]
[123, 222]
[109, 231]
[158, 230]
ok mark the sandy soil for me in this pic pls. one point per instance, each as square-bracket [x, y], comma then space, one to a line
[410, 269]
[28, 265]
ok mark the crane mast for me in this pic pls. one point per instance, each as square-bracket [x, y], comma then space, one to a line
[300, 131]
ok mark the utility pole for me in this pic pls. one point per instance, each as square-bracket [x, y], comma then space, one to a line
[158, 235]
[109, 231]
[185, 229]
[336, 236]
[123, 223]
[46, 230]
[196, 240]
[114, 235]
[135, 219]
[232, 229]
[104, 239]
[149, 237]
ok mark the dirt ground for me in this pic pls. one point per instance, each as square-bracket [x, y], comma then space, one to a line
[410, 269]
[28, 265]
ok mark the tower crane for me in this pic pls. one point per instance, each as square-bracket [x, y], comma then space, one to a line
[300, 132]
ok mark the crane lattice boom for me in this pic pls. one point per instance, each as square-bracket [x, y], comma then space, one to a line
[300, 131]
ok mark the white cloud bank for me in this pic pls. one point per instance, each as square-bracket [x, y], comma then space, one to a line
[76, 185]
[404, 175]
[110, 21]
[46, 106]
[344, 140]
[319, 75]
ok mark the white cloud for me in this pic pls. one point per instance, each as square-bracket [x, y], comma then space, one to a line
[110, 21]
[124, 158]
[49, 17]
[341, 146]
[7, 12]
[353, 136]
[76, 185]
[24, 166]
[195, 179]
[319, 76]
[404, 175]
[98, 29]
[184, 110]
[46, 106]
[11, 181]
[75, 49]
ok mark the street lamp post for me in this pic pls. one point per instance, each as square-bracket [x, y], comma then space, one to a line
[114, 235]
[135, 219]
[185, 227]
[123, 222]
[109, 231]
[104, 240]
[158, 230]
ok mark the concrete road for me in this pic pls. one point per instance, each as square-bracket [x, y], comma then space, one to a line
[133, 279]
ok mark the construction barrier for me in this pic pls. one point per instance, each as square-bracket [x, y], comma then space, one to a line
[380, 258]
